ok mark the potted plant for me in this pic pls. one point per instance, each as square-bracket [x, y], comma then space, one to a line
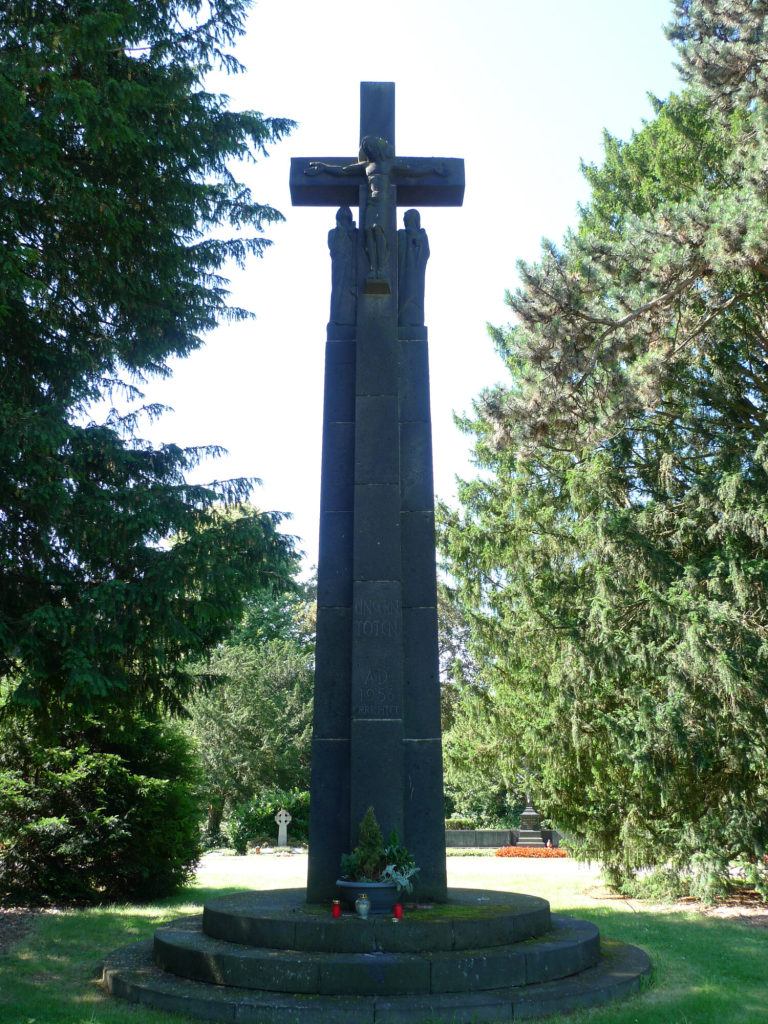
[381, 870]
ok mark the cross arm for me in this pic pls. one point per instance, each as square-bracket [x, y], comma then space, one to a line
[316, 186]
[429, 181]
[420, 181]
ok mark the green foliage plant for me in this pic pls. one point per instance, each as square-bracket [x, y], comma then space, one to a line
[662, 885]
[251, 721]
[373, 860]
[400, 866]
[110, 812]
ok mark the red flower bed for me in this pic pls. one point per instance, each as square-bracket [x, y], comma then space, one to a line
[529, 851]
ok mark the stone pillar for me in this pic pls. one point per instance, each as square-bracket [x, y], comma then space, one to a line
[376, 739]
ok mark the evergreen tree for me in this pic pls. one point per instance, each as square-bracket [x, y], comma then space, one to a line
[615, 553]
[458, 670]
[109, 811]
[117, 200]
[252, 722]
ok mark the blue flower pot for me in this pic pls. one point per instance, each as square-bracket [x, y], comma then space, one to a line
[383, 895]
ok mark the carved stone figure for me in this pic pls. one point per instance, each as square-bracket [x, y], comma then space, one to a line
[341, 243]
[412, 256]
[377, 157]
[378, 163]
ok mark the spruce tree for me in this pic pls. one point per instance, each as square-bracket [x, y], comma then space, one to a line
[615, 551]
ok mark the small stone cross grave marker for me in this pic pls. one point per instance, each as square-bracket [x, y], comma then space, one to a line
[283, 819]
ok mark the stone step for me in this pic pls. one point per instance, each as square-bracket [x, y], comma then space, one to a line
[183, 949]
[282, 919]
[531, 838]
[131, 974]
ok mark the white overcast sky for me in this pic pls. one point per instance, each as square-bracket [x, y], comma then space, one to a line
[522, 91]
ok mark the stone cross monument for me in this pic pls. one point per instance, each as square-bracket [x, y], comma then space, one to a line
[376, 737]
[283, 820]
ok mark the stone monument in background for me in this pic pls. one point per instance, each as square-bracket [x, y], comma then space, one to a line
[529, 833]
[376, 739]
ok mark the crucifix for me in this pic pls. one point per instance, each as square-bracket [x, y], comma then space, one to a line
[387, 180]
[376, 730]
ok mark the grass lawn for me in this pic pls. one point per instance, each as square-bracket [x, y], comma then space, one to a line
[707, 970]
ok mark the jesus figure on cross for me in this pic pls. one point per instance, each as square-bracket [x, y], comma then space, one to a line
[378, 163]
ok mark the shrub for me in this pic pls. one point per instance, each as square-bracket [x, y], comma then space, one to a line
[663, 885]
[108, 814]
[374, 861]
[213, 839]
[530, 851]
[254, 821]
[459, 823]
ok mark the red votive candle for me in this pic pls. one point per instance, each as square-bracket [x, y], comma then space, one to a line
[397, 910]
[336, 908]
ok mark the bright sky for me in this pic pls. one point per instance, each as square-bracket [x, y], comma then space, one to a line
[521, 91]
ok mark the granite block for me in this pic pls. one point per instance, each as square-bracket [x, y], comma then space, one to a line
[416, 467]
[333, 672]
[329, 821]
[376, 454]
[418, 560]
[339, 393]
[376, 542]
[424, 815]
[414, 381]
[376, 773]
[334, 578]
[421, 686]
[377, 353]
[337, 487]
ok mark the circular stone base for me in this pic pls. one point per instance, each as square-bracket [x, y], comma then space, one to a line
[282, 919]
[499, 970]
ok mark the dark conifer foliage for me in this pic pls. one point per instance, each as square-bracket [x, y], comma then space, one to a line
[118, 208]
[615, 551]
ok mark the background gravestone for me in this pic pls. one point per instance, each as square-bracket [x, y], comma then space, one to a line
[376, 735]
[530, 833]
[283, 819]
